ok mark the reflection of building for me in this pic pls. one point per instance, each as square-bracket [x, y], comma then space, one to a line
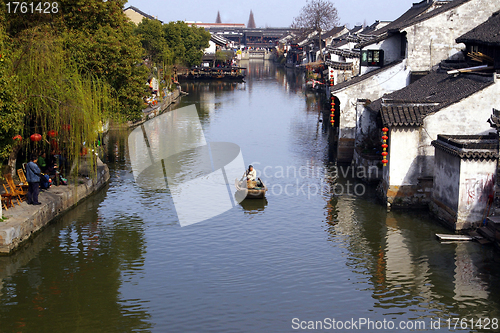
[467, 283]
[398, 252]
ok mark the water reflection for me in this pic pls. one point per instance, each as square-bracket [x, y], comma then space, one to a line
[254, 206]
[71, 273]
[123, 264]
[409, 268]
[209, 96]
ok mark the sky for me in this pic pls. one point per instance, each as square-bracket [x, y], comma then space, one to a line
[268, 13]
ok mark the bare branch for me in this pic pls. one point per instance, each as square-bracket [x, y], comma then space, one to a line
[317, 15]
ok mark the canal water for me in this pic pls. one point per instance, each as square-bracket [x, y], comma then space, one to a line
[319, 248]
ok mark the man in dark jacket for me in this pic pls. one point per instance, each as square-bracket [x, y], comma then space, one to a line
[33, 178]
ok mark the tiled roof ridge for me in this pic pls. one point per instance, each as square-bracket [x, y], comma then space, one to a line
[469, 151]
[419, 12]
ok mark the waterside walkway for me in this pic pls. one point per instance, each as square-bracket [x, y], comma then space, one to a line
[23, 221]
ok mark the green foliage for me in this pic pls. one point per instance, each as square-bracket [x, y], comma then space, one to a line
[55, 94]
[173, 43]
[114, 56]
[224, 55]
[103, 43]
[152, 36]
[11, 108]
[90, 15]
[101, 40]
[80, 66]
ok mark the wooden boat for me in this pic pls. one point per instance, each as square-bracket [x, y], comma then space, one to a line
[242, 192]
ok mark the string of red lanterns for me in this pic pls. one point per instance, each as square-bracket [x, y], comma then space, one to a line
[331, 77]
[332, 113]
[36, 137]
[385, 145]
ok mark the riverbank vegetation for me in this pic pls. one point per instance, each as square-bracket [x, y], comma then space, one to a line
[171, 44]
[65, 73]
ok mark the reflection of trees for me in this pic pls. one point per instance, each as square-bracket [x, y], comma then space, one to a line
[115, 149]
[407, 267]
[206, 95]
[69, 278]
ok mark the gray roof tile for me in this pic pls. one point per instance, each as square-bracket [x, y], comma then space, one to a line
[486, 33]
[410, 105]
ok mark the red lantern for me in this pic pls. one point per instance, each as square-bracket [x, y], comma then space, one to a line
[52, 133]
[36, 137]
[385, 161]
[385, 145]
[384, 153]
[385, 129]
[18, 137]
[385, 137]
[332, 121]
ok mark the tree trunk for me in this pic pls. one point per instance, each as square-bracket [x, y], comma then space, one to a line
[320, 52]
[11, 164]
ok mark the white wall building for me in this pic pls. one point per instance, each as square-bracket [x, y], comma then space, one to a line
[420, 39]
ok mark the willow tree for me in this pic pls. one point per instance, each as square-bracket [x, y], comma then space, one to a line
[64, 106]
[11, 109]
[101, 41]
[317, 16]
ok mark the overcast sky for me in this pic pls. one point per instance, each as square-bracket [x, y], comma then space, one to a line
[271, 13]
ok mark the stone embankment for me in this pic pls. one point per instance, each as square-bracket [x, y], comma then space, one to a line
[23, 221]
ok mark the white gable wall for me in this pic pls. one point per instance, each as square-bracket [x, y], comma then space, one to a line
[212, 47]
[392, 51]
[372, 88]
[433, 40]
[411, 159]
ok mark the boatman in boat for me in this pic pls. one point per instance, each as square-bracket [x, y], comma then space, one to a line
[251, 176]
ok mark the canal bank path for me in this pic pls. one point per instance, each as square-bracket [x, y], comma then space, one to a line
[21, 222]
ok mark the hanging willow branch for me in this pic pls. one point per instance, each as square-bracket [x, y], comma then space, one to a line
[58, 98]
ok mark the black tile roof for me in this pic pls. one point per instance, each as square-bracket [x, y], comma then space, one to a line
[332, 32]
[410, 105]
[356, 29]
[340, 42]
[416, 14]
[487, 33]
[405, 115]
[359, 78]
[470, 147]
